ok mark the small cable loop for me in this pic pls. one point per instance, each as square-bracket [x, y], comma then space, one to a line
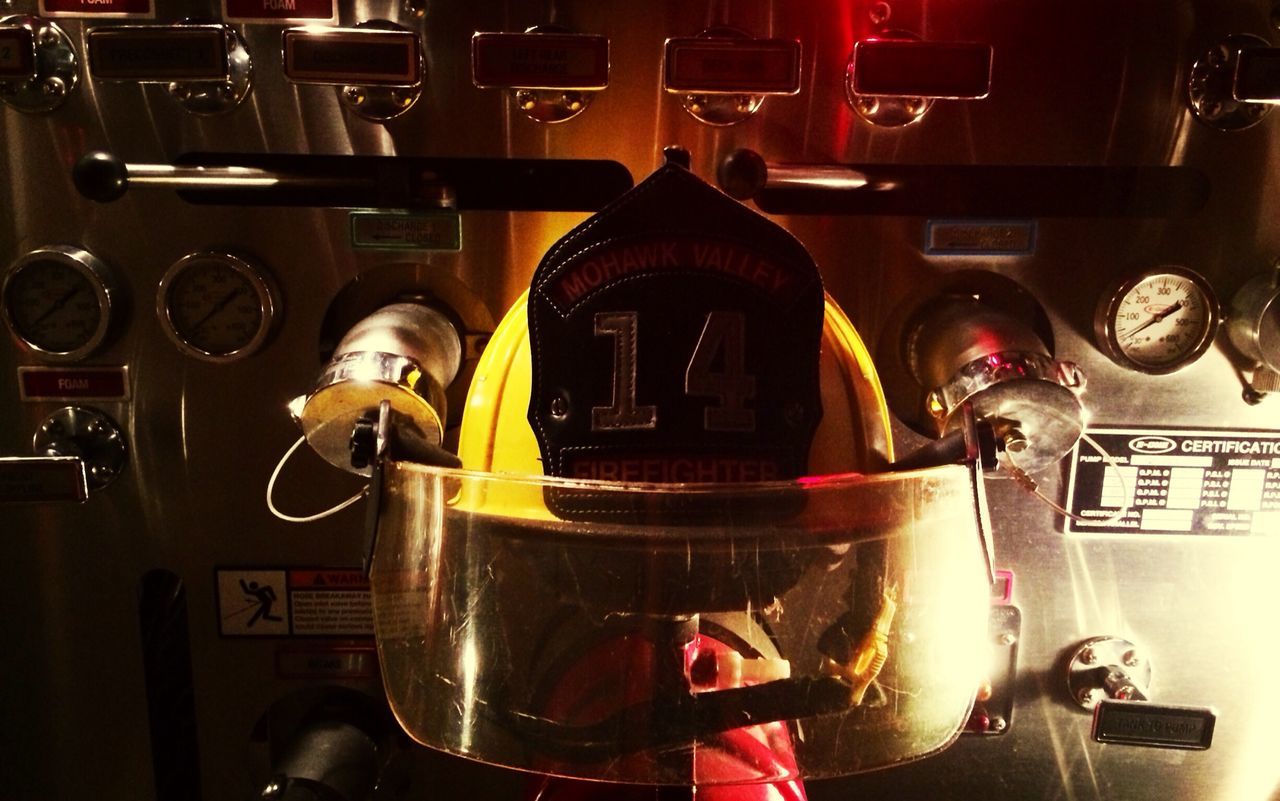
[271, 487]
[1028, 483]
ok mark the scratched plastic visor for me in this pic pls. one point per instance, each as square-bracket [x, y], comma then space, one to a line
[681, 634]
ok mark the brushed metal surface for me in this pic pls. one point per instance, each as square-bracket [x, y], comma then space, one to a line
[1085, 83]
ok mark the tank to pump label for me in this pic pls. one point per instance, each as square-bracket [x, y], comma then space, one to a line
[1175, 481]
[294, 602]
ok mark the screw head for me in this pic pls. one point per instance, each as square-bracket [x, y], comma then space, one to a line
[1132, 658]
[1088, 656]
[1089, 696]
[1006, 639]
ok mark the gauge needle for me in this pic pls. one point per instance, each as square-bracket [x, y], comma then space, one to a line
[1155, 318]
[219, 306]
[57, 304]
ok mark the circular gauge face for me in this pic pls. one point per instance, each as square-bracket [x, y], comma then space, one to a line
[57, 301]
[1159, 321]
[216, 307]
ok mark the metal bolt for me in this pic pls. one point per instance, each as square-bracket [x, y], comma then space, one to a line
[879, 13]
[1089, 696]
[1006, 639]
[526, 100]
[53, 86]
[1132, 658]
[916, 106]
[868, 105]
[354, 95]
[997, 724]
[559, 408]
[697, 103]
[744, 103]
[1088, 656]
[1015, 441]
[47, 36]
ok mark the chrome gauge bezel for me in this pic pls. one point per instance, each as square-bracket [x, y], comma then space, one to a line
[264, 290]
[88, 267]
[1109, 308]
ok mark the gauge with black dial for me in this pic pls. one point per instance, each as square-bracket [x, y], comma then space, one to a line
[58, 301]
[217, 307]
[1158, 321]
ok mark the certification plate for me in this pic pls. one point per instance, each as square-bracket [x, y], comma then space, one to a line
[1176, 481]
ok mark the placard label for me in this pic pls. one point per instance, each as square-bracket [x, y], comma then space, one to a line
[17, 53]
[753, 66]
[1175, 481]
[539, 61]
[158, 54]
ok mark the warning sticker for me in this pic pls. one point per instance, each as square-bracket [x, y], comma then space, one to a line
[294, 602]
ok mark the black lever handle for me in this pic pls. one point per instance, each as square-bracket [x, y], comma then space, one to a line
[964, 190]
[268, 179]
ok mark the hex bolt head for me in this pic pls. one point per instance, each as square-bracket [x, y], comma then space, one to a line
[1089, 696]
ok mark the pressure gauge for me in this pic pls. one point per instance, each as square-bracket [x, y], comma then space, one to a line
[1158, 321]
[216, 307]
[58, 301]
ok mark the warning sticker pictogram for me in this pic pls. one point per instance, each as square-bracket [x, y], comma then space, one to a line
[253, 603]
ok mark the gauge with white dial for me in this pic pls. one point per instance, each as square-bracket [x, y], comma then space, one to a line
[1158, 321]
[58, 301]
[217, 307]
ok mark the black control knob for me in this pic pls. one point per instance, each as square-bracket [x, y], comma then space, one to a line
[100, 176]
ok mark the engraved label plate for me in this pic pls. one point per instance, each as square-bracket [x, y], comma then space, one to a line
[378, 230]
[353, 662]
[155, 54]
[1153, 725]
[17, 53]
[43, 480]
[750, 66]
[899, 68]
[278, 11]
[73, 383]
[540, 61]
[97, 8]
[353, 57]
[980, 238]
[1257, 78]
